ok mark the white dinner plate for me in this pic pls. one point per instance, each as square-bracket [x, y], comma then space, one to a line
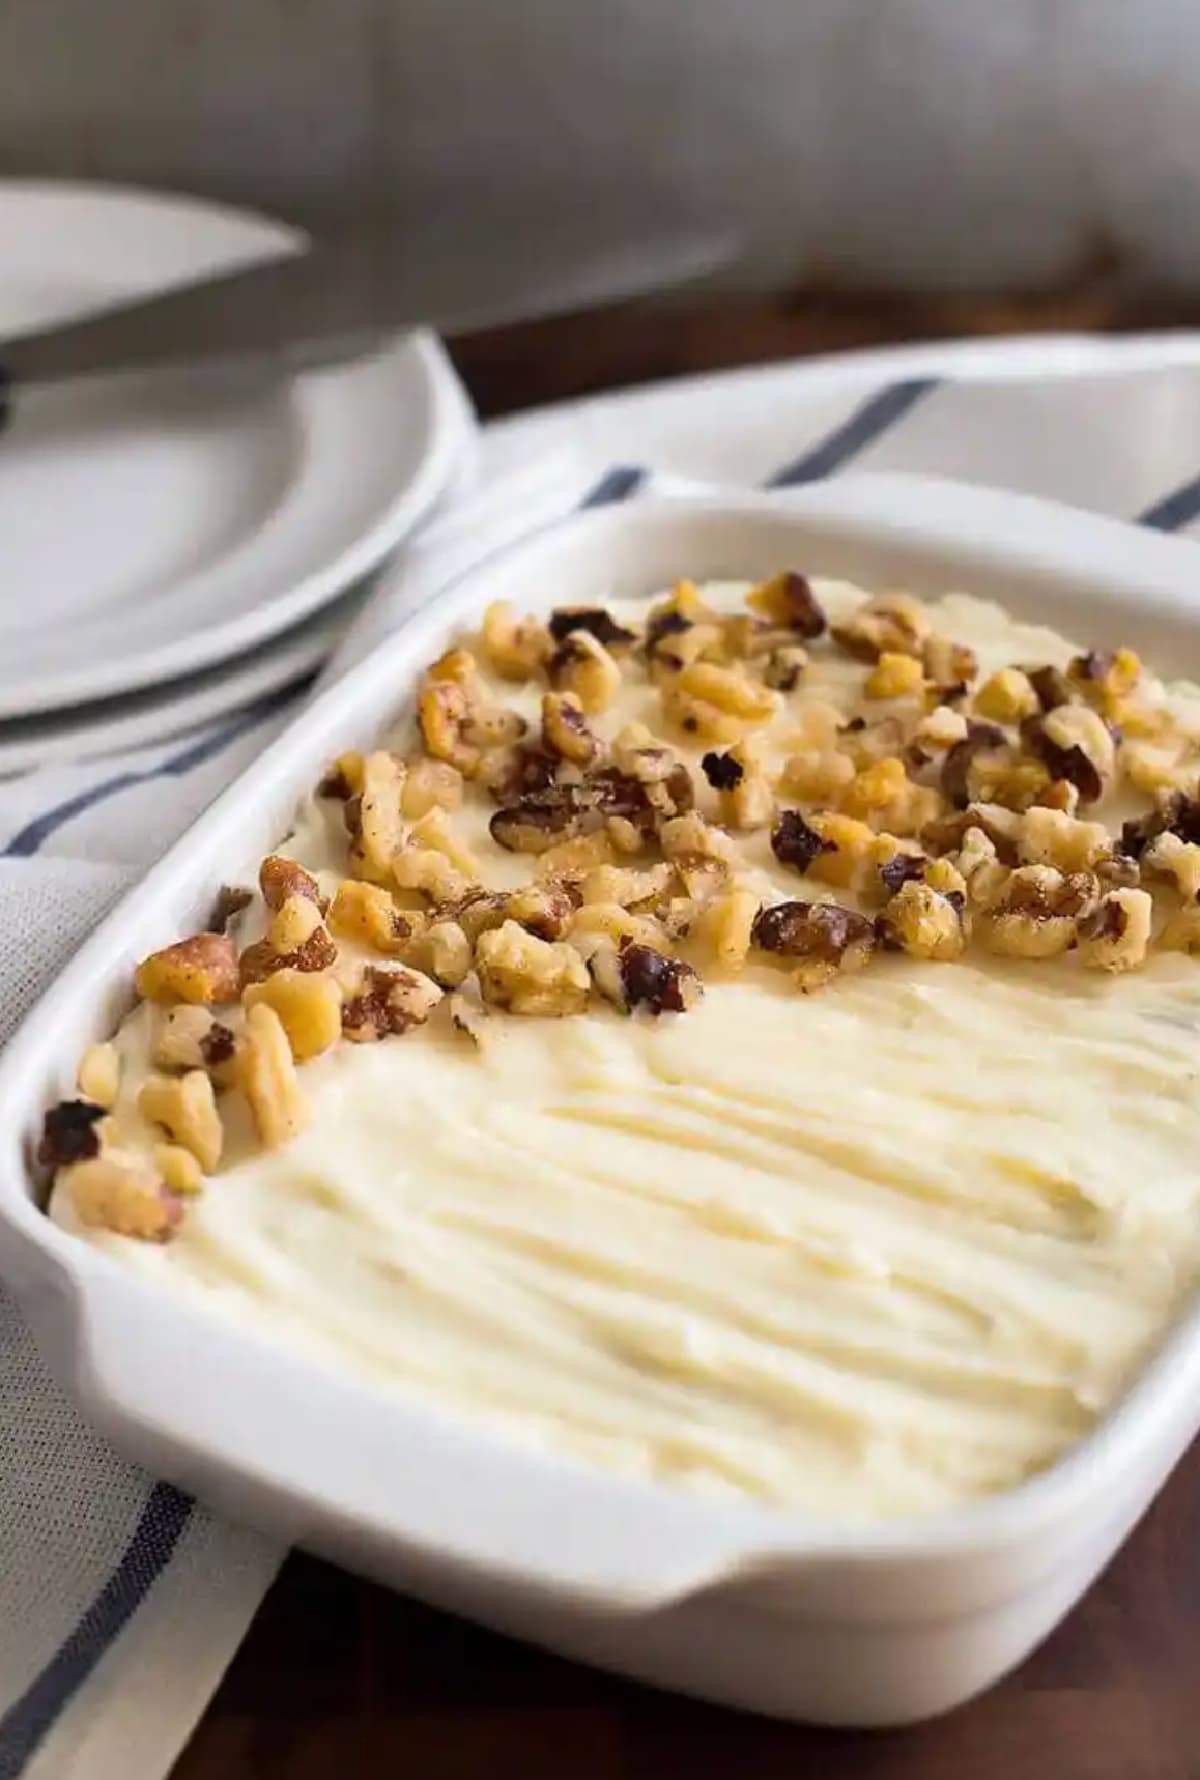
[150, 530]
[137, 719]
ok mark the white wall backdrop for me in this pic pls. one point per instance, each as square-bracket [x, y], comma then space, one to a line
[898, 141]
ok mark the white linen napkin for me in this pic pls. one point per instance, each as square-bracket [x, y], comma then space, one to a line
[120, 1599]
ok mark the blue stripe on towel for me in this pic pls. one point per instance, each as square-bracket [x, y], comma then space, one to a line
[149, 1551]
[869, 421]
[617, 484]
[1176, 509]
[30, 839]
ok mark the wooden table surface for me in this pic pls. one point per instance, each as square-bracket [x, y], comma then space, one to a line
[341, 1680]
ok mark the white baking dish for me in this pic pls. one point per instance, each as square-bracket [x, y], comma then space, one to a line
[740, 1603]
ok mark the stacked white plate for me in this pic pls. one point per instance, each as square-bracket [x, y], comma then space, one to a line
[170, 553]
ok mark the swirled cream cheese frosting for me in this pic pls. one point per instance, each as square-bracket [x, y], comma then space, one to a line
[779, 1078]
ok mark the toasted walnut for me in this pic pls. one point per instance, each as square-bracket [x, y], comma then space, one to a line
[468, 1016]
[293, 924]
[650, 776]
[880, 792]
[1075, 743]
[981, 870]
[691, 837]
[894, 676]
[457, 667]
[695, 642]
[189, 1038]
[784, 667]
[728, 690]
[343, 779]
[788, 600]
[951, 666]
[445, 953]
[607, 922]
[1118, 872]
[389, 1001]
[366, 915]
[121, 1192]
[280, 878]
[745, 795]
[202, 970]
[639, 977]
[267, 1077]
[309, 1008]
[1050, 685]
[1181, 933]
[429, 872]
[70, 1133]
[515, 648]
[725, 925]
[566, 731]
[429, 785]
[231, 900]
[940, 728]
[1166, 856]
[1007, 696]
[573, 859]
[1058, 794]
[1115, 935]
[583, 666]
[1001, 826]
[892, 624]
[100, 1075]
[1016, 784]
[527, 975]
[981, 739]
[1050, 837]
[816, 775]
[596, 621]
[494, 726]
[1105, 678]
[1175, 814]
[822, 936]
[797, 843]
[180, 1171]
[186, 1107]
[1035, 914]
[261, 960]
[375, 817]
[513, 772]
[444, 713]
[926, 922]
[625, 886]
[543, 818]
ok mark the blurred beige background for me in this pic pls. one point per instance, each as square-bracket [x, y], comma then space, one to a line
[926, 143]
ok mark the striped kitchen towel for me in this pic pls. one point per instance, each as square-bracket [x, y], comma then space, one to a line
[121, 1600]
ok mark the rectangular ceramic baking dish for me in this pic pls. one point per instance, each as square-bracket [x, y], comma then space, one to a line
[737, 1602]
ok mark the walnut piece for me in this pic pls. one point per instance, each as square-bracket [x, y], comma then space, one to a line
[70, 1134]
[123, 1193]
[926, 922]
[267, 1077]
[583, 666]
[429, 785]
[822, 936]
[390, 1001]
[366, 915]
[1036, 912]
[100, 1075]
[280, 878]
[1115, 935]
[894, 676]
[309, 1009]
[566, 731]
[527, 975]
[202, 970]
[635, 976]
[186, 1107]
[515, 648]
[788, 600]
[892, 624]
[189, 1038]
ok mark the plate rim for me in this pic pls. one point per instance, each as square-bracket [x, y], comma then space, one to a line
[448, 419]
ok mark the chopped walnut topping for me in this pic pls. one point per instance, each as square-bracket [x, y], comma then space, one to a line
[1075, 743]
[660, 984]
[429, 785]
[527, 975]
[344, 778]
[1176, 814]
[468, 1015]
[729, 691]
[1050, 685]
[1170, 857]
[189, 1038]
[788, 600]
[202, 970]
[794, 842]
[267, 1077]
[445, 715]
[231, 900]
[376, 819]
[121, 1192]
[1007, 696]
[1105, 678]
[566, 731]
[571, 860]
[981, 738]
[745, 794]
[784, 667]
[1115, 935]
[309, 1009]
[180, 1171]
[951, 666]
[100, 1075]
[725, 925]
[894, 676]
[186, 1108]
[892, 624]
[629, 888]
[515, 648]
[390, 1000]
[366, 915]
[69, 1133]
[823, 936]
[280, 878]
[446, 954]
[940, 728]
[816, 775]
[295, 921]
[583, 666]
[317, 951]
[1036, 912]
[1049, 837]
[596, 621]
[926, 922]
